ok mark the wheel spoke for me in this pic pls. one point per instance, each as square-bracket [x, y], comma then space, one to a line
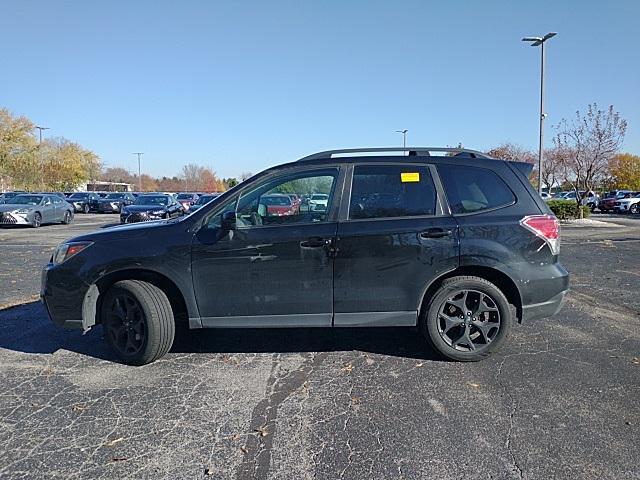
[483, 307]
[485, 328]
[450, 322]
[460, 303]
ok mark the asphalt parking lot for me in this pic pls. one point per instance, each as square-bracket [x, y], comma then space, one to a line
[561, 400]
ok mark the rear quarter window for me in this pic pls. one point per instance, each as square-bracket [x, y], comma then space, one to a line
[474, 189]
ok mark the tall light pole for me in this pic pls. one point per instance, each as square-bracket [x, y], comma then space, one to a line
[535, 42]
[40, 129]
[139, 154]
[404, 138]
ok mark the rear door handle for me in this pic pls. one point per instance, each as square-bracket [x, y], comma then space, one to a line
[436, 233]
[315, 242]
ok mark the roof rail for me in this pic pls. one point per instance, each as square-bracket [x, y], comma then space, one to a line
[413, 151]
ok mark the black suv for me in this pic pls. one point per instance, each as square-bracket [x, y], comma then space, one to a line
[459, 245]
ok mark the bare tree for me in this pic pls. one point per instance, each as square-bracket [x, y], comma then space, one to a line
[587, 143]
[552, 162]
[513, 153]
[245, 175]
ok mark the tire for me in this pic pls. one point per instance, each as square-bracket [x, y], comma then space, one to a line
[132, 309]
[85, 209]
[635, 208]
[67, 218]
[37, 220]
[497, 317]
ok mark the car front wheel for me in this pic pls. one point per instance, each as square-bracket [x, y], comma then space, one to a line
[634, 208]
[468, 318]
[37, 220]
[138, 321]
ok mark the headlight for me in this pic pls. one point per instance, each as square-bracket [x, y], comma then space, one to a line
[65, 251]
[157, 212]
[22, 211]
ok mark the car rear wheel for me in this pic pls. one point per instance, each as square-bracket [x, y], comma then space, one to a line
[138, 321]
[85, 209]
[634, 208]
[467, 319]
[37, 220]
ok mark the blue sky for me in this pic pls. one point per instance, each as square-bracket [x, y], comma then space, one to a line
[239, 85]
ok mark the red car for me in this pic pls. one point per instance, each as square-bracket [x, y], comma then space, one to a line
[187, 200]
[279, 205]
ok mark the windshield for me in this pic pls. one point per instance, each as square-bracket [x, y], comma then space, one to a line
[319, 197]
[205, 199]
[151, 200]
[285, 201]
[79, 196]
[26, 200]
[185, 196]
[115, 195]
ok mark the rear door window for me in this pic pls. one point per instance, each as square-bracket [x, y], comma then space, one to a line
[474, 189]
[389, 191]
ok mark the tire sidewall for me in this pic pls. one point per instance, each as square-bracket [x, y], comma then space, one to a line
[448, 288]
[106, 303]
[37, 220]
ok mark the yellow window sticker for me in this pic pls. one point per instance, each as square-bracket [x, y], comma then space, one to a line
[406, 177]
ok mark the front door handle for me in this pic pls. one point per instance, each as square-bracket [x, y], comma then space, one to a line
[436, 233]
[315, 242]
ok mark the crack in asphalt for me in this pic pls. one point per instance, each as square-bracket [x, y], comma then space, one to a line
[263, 424]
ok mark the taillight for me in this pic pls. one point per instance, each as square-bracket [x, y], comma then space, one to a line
[546, 227]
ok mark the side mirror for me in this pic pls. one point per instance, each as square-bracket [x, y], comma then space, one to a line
[228, 222]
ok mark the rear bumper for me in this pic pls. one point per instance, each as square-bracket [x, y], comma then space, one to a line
[544, 309]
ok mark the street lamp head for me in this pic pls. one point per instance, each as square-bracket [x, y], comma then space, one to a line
[536, 41]
[402, 131]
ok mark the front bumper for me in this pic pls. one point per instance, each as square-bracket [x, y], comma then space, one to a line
[8, 218]
[63, 295]
[108, 208]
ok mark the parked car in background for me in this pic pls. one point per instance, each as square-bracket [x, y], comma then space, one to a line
[608, 202]
[6, 196]
[187, 200]
[460, 247]
[318, 202]
[151, 207]
[84, 202]
[114, 202]
[590, 199]
[35, 210]
[202, 201]
[630, 204]
[277, 205]
[546, 196]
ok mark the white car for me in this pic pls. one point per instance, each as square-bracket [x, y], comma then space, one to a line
[628, 205]
[318, 202]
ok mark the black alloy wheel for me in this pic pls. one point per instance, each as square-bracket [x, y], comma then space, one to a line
[467, 318]
[125, 324]
[85, 209]
[37, 220]
[137, 321]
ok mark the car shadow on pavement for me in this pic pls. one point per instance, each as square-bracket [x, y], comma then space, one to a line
[26, 328]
